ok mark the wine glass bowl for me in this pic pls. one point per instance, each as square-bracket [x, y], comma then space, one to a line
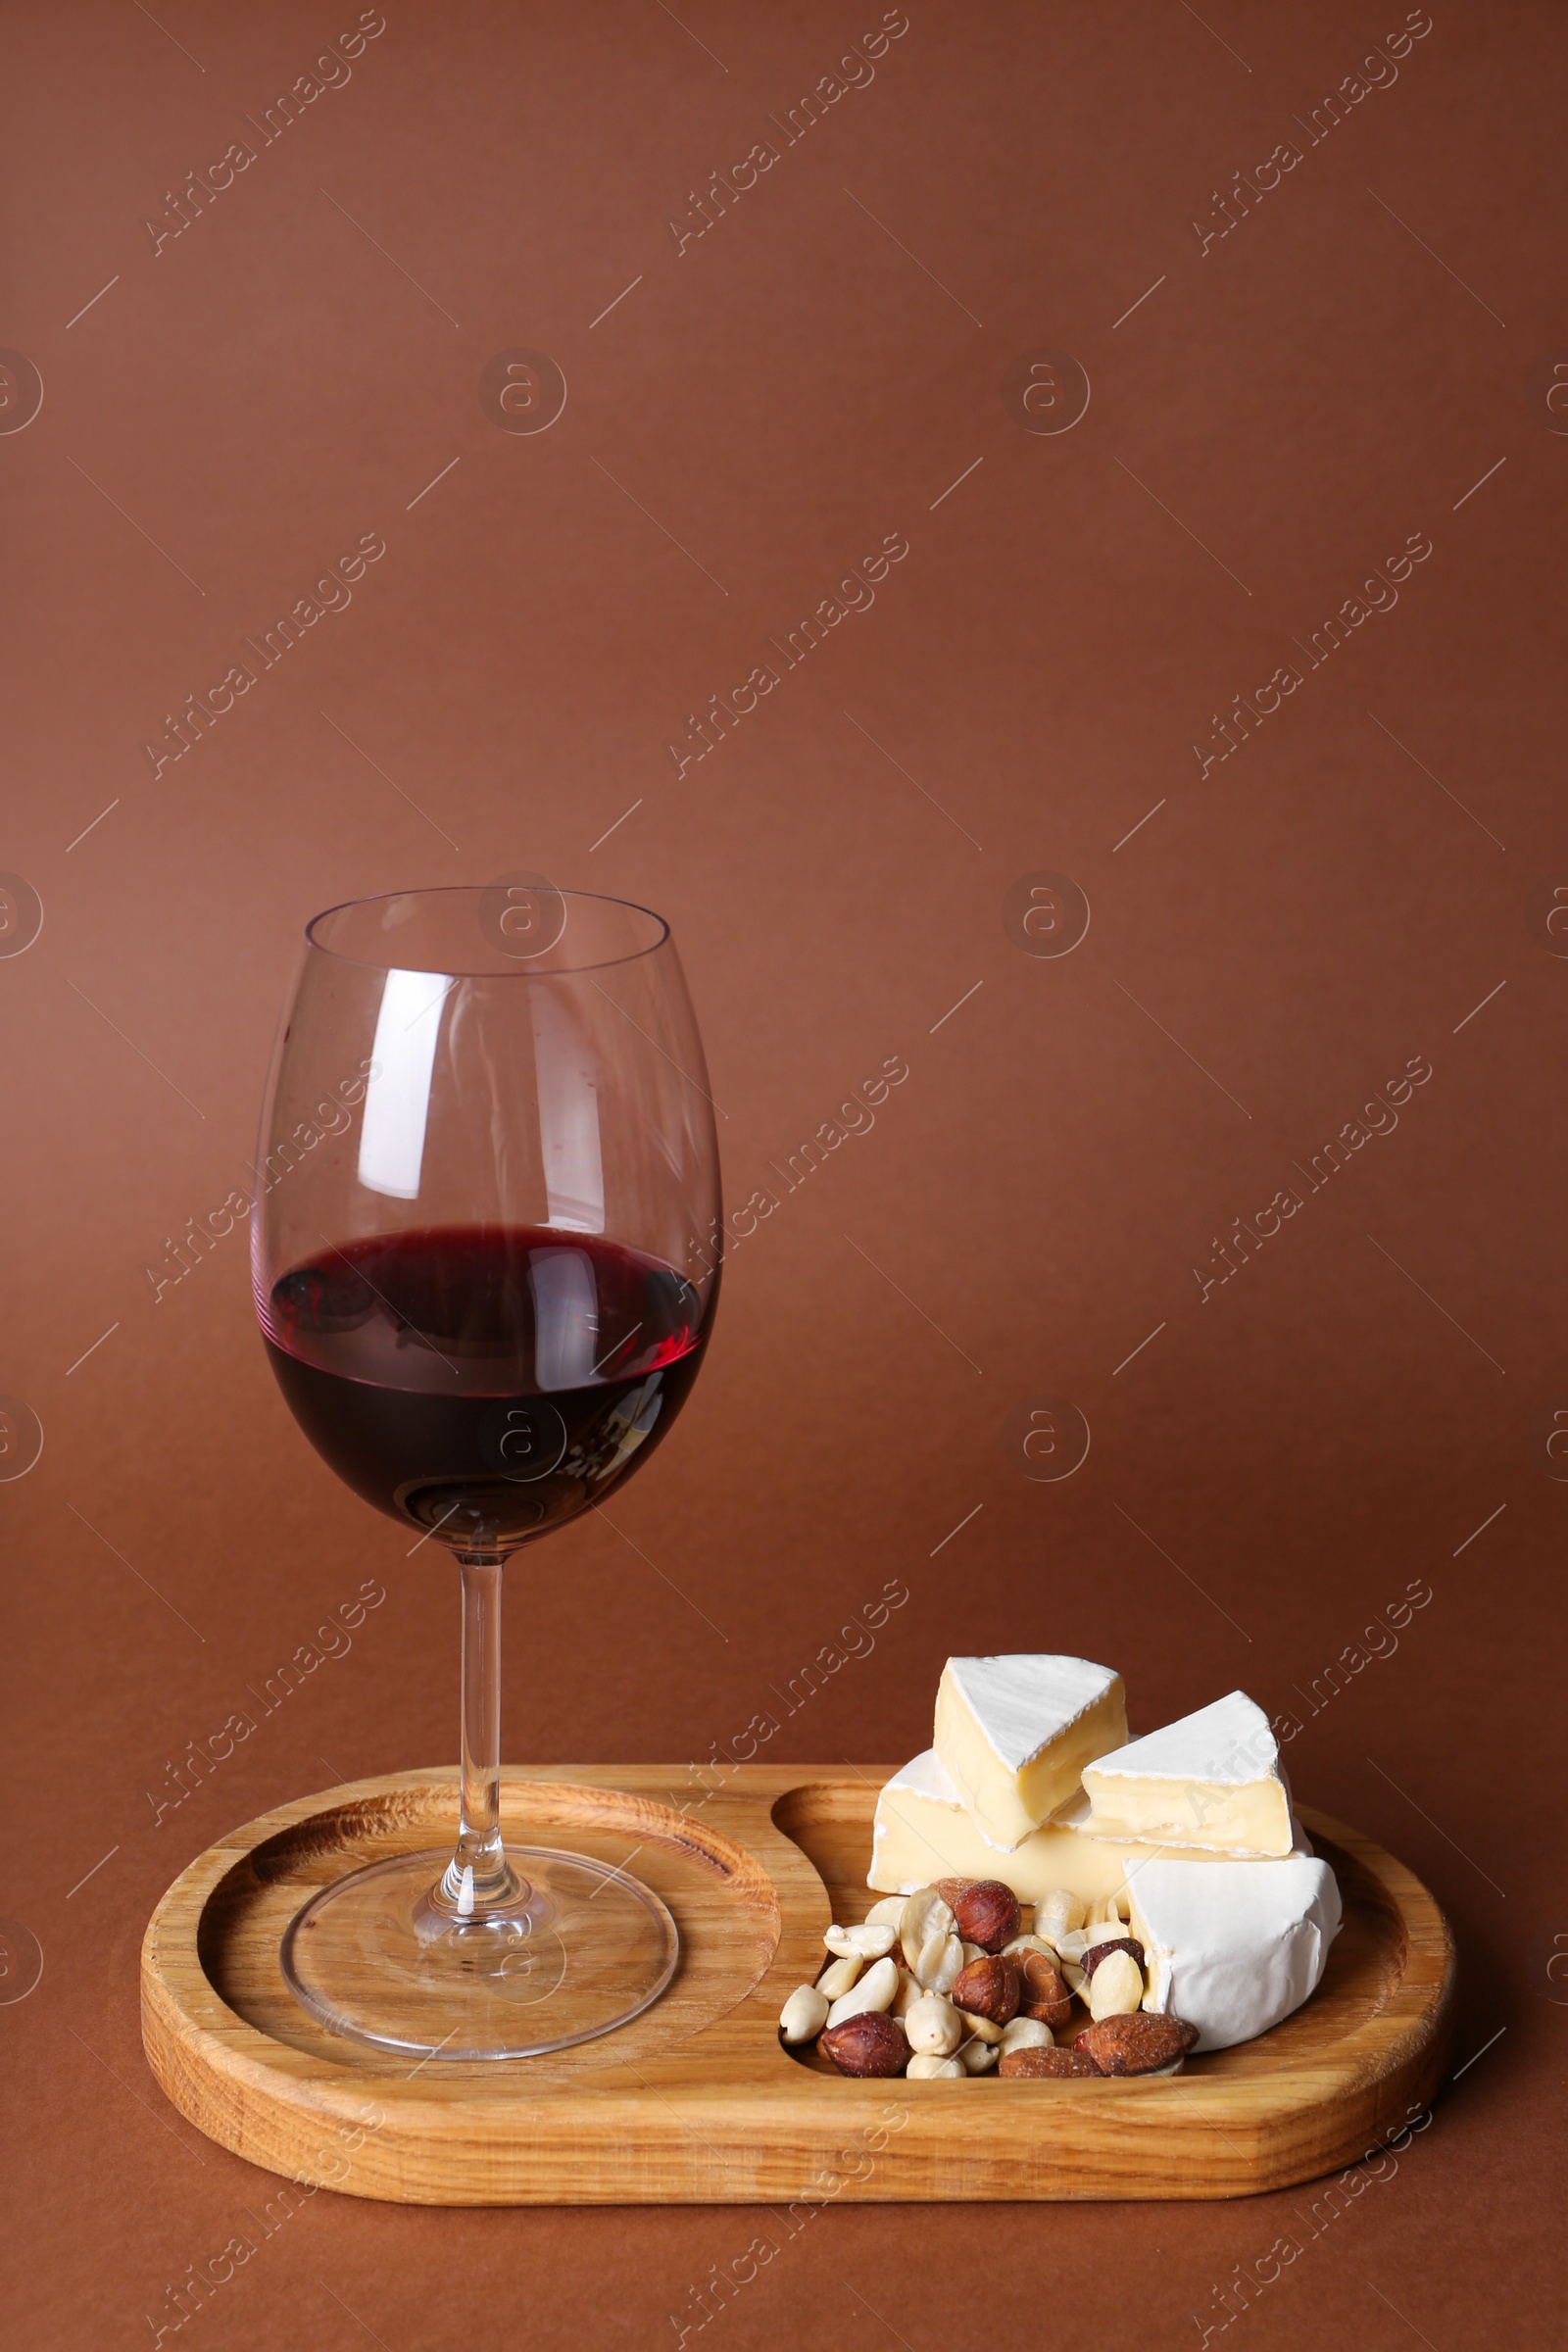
[485, 1255]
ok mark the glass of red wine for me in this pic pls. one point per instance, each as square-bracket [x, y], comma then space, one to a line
[485, 1249]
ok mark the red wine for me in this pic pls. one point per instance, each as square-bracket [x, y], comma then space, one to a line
[484, 1383]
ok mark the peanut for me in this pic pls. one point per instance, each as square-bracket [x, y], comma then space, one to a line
[838, 1977]
[803, 2014]
[874, 1990]
[867, 1942]
[1116, 1987]
[933, 2025]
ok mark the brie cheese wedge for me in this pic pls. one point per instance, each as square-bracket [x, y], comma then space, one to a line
[923, 1833]
[1233, 1947]
[1079, 1815]
[1210, 1780]
[1014, 1735]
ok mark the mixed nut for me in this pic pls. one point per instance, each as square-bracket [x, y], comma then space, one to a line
[947, 1983]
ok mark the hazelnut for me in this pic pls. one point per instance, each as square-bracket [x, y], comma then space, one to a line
[987, 1914]
[869, 2044]
[988, 1987]
[1043, 1990]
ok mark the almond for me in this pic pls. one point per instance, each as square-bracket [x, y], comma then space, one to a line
[987, 1914]
[871, 2044]
[1124, 1942]
[988, 1987]
[1026, 2064]
[1139, 2043]
[1042, 1990]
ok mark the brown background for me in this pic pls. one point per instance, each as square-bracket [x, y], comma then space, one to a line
[1325, 1429]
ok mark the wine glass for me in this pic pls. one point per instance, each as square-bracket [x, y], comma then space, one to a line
[485, 1248]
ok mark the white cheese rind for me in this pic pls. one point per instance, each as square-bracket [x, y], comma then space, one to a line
[1210, 1781]
[1233, 1947]
[1014, 1732]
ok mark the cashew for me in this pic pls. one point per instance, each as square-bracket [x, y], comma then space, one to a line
[1059, 1913]
[933, 2025]
[1116, 1987]
[805, 2014]
[1030, 1943]
[981, 2027]
[867, 1942]
[977, 2057]
[926, 2067]
[1025, 2033]
[874, 1990]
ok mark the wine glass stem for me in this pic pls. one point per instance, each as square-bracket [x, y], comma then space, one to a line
[478, 1878]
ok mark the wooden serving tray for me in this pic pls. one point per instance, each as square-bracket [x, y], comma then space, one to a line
[696, 2101]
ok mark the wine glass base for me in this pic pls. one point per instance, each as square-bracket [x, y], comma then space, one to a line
[587, 1948]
